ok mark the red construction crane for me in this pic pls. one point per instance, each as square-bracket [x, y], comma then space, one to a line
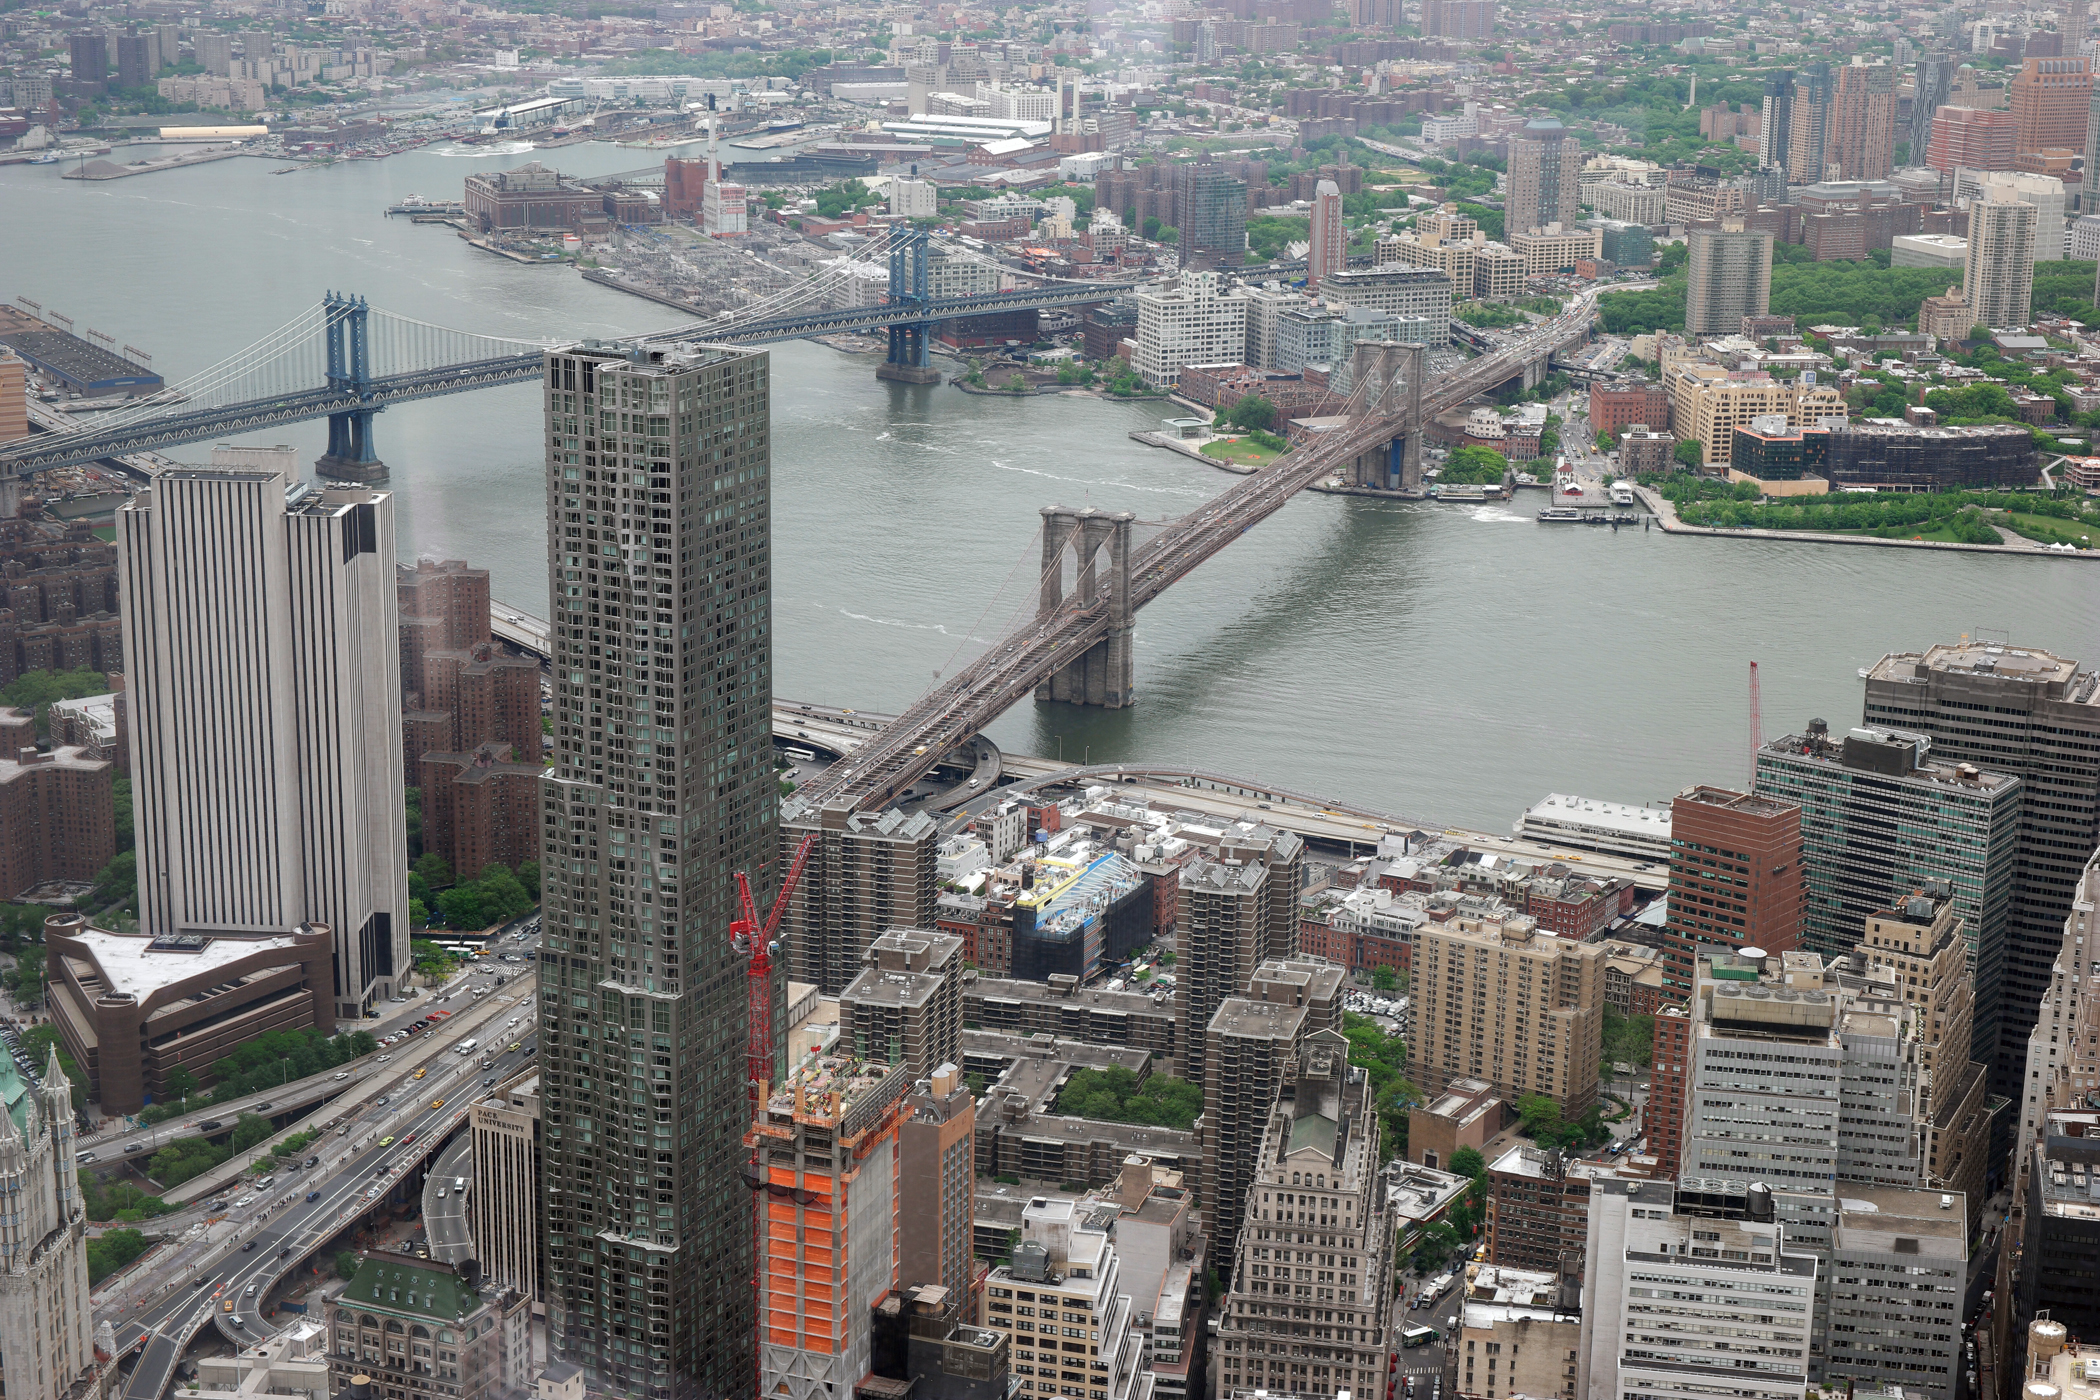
[758, 977]
[1757, 724]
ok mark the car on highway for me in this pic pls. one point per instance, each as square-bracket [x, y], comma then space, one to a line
[312, 1196]
[517, 1045]
[382, 1100]
[407, 1140]
[344, 1074]
[243, 1202]
[210, 1125]
[488, 1081]
[237, 1320]
[382, 1059]
[248, 1246]
[84, 1158]
[386, 1141]
[204, 1282]
[372, 1194]
[134, 1146]
[263, 1107]
[420, 1073]
[251, 1291]
[437, 1103]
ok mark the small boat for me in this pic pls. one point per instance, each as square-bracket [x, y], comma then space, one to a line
[1560, 515]
[47, 158]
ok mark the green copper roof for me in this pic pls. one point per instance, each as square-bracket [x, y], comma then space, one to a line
[1314, 1131]
[387, 1285]
[14, 1092]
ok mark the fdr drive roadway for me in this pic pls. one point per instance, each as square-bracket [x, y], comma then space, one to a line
[191, 1280]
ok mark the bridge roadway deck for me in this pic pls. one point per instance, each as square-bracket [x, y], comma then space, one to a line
[44, 451]
[974, 696]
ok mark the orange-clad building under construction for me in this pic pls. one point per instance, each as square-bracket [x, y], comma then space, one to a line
[824, 1165]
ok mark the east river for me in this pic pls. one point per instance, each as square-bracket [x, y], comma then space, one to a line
[1449, 663]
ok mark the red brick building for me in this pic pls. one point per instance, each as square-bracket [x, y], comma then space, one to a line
[1669, 1079]
[1615, 408]
[1222, 386]
[480, 808]
[1571, 908]
[1736, 879]
[57, 816]
[470, 727]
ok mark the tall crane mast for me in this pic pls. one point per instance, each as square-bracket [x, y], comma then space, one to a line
[1757, 724]
[758, 945]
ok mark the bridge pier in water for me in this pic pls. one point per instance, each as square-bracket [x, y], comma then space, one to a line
[1104, 676]
[910, 360]
[350, 456]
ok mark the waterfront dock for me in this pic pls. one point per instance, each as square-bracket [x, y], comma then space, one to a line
[110, 170]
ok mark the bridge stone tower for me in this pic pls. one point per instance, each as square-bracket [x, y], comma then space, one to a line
[350, 456]
[910, 360]
[1100, 541]
[1392, 372]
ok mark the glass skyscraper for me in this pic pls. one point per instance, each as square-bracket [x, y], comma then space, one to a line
[659, 584]
[1879, 817]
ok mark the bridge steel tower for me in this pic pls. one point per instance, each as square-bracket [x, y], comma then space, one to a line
[1100, 540]
[1397, 465]
[910, 360]
[350, 456]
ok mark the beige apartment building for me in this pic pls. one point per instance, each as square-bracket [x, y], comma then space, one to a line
[1504, 1003]
[1709, 402]
[1919, 944]
[1446, 240]
[1549, 249]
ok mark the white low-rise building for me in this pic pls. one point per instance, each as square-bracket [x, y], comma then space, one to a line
[1614, 828]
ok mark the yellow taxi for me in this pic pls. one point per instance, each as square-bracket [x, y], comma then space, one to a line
[437, 1103]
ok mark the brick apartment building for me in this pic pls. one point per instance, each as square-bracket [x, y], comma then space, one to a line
[1615, 408]
[471, 720]
[1736, 880]
[57, 817]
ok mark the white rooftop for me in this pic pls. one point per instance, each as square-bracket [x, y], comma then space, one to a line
[1623, 817]
[100, 711]
[132, 965]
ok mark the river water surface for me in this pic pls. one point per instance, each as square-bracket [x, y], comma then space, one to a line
[1450, 663]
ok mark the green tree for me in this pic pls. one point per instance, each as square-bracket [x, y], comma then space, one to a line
[1690, 453]
[1115, 1095]
[529, 877]
[180, 1083]
[26, 978]
[35, 690]
[111, 1251]
[120, 805]
[1538, 1116]
[1468, 1161]
[1628, 1039]
[1473, 466]
[1605, 441]
[346, 1265]
[1384, 978]
[1252, 413]
[435, 870]
[249, 1130]
[462, 908]
[117, 887]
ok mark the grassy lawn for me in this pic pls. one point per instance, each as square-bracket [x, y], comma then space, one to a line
[107, 533]
[2047, 529]
[1241, 451]
[1935, 532]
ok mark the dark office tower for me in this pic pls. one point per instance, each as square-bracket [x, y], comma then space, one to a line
[660, 579]
[1883, 815]
[2022, 711]
[1213, 212]
[1808, 130]
[1776, 124]
[1934, 81]
[135, 54]
[90, 63]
